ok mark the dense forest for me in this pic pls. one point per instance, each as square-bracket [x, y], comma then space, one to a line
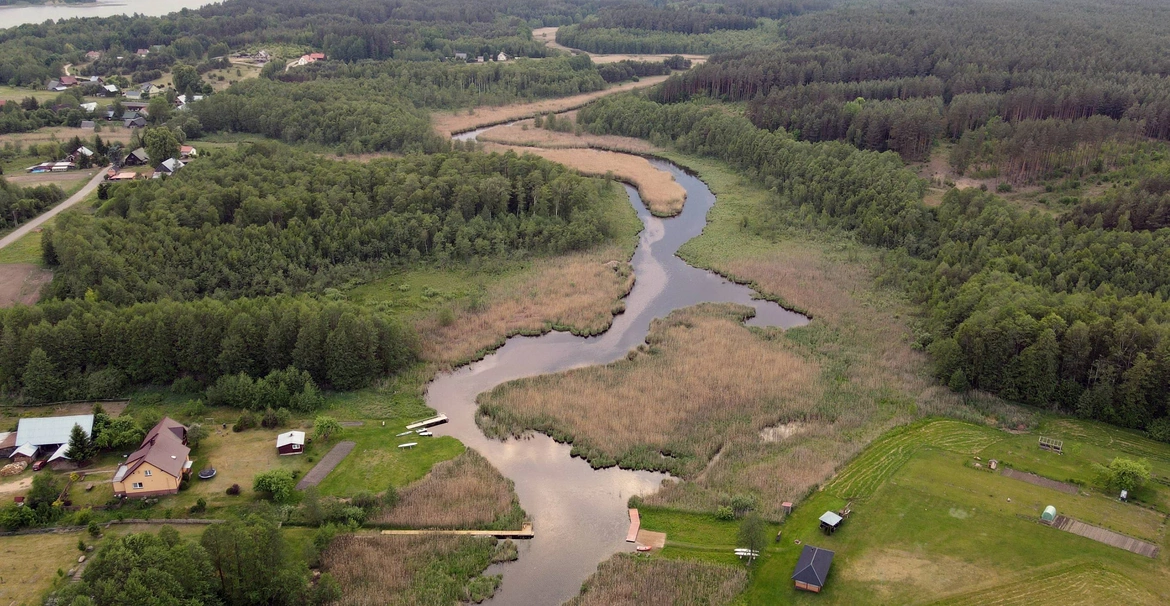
[84, 349]
[19, 204]
[999, 79]
[267, 219]
[1055, 312]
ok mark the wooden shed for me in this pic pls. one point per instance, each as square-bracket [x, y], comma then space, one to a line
[812, 569]
[290, 443]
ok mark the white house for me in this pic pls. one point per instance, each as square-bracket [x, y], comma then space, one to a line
[290, 443]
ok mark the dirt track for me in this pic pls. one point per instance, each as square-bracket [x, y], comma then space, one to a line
[548, 35]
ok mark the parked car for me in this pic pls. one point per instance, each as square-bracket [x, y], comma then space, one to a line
[38, 465]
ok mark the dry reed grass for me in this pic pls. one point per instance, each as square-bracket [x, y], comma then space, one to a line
[463, 493]
[658, 189]
[627, 580]
[448, 124]
[701, 380]
[516, 134]
[579, 292]
[111, 132]
[379, 570]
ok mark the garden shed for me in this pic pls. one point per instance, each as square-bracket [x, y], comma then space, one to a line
[812, 569]
[290, 443]
[1049, 514]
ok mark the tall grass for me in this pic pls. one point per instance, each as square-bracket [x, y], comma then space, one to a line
[517, 134]
[465, 493]
[658, 189]
[376, 570]
[627, 580]
[700, 380]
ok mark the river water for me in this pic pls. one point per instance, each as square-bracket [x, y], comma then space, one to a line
[11, 16]
[579, 514]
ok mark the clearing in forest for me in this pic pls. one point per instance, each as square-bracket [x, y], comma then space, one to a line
[20, 283]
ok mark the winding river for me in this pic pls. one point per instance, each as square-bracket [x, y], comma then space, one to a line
[579, 514]
[12, 16]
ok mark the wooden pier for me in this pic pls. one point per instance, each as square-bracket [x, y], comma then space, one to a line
[523, 533]
[635, 526]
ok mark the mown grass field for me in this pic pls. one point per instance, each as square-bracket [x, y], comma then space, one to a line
[928, 526]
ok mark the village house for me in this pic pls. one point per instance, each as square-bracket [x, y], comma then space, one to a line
[138, 122]
[310, 58]
[68, 81]
[93, 55]
[90, 107]
[137, 157]
[159, 464]
[7, 443]
[168, 167]
[111, 90]
[186, 152]
[290, 443]
[142, 52]
[79, 153]
[502, 56]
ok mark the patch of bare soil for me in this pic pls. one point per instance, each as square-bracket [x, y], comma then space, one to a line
[29, 180]
[20, 283]
[897, 567]
[658, 189]
[783, 431]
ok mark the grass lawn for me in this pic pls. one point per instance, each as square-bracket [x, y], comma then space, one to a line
[377, 462]
[928, 526]
[24, 250]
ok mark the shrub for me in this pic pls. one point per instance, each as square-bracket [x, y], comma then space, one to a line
[93, 529]
[200, 506]
[1125, 474]
[724, 513]
[246, 421]
[233, 490]
[278, 485]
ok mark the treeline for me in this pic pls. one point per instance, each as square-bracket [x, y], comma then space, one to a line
[434, 85]
[639, 41]
[1028, 62]
[236, 563]
[630, 69]
[266, 219]
[82, 349]
[352, 29]
[19, 204]
[354, 117]
[652, 18]
[1035, 309]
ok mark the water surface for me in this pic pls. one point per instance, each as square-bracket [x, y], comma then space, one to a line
[579, 514]
[12, 16]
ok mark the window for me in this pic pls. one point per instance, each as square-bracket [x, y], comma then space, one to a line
[296, 446]
[146, 473]
[137, 485]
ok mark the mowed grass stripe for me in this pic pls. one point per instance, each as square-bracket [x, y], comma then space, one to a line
[1081, 584]
[886, 456]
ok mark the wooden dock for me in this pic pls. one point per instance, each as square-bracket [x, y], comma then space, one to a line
[428, 422]
[523, 533]
[635, 526]
[1107, 537]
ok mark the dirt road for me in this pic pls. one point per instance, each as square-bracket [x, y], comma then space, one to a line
[20, 232]
[548, 35]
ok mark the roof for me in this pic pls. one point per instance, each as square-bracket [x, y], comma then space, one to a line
[60, 454]
[68, 80]
[162, 448]
[85, 151]
[87, 124]
[8, 439]
[89, 107]
[27, 450]
[171, 165]
[813, 566]
[290, 437]
[140, 153]
[45, 431]
[831, 518]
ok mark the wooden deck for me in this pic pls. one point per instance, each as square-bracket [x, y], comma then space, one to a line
[635, 526]
[1107, 537]
[523, 533]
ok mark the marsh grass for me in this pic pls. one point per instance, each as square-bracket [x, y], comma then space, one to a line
[518, 134]
[463, 493]
[629, 580]
[701, 379]
[658, 189]
[377, 570]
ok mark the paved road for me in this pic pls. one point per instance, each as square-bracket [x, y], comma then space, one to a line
[53, 212]
[326, 465]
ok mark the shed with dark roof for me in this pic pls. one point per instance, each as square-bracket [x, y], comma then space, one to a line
[813, 568]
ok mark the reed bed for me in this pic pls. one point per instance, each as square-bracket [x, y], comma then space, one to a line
[658, 189]
[447, 124]
[463, 493]
[579, 292]
[701, 379]
[628, 580]
[517, 134]
[434, 570]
